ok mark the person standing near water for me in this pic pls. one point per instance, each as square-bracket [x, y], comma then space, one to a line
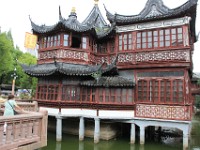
[10, 104]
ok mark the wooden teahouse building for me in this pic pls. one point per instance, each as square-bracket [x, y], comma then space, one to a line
[137, 68]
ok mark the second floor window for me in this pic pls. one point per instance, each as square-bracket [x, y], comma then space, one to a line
[50, 41]
[66, 40]
[160, 38]
[84, 42]
[125, 42]
[102, 48]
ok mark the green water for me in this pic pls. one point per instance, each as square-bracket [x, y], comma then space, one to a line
[70, 142]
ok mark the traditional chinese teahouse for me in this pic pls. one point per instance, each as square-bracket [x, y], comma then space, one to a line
[135, 69]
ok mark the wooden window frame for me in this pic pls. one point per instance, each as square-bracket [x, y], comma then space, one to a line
[176, 85]
[84, 43]
[73, 93]
[125, 41]
[159, 38]
[67, 40]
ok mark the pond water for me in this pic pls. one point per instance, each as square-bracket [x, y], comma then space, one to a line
[166, 142]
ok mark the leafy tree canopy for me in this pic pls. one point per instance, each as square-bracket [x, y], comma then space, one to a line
[6, 48]
[11, 58]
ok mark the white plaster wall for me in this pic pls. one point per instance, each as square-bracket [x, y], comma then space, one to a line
[78, 112]
[51, 111]
[90, 113]
[112, 114]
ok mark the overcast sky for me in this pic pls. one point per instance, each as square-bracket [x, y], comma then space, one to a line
[14, 15]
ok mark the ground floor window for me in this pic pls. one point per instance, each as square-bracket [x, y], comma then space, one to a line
[160, 90]
[47, 92]
[85, 94]
[108, 95]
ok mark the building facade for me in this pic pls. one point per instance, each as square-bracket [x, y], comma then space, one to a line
[137, 67]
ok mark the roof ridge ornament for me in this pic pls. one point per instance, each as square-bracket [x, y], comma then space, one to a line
[154, 8]
[96, 2]
[153, 12]
[60, 15]
[73, 13]
[73, 10]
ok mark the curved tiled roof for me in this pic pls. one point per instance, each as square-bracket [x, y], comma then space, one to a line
[94, 22]
[115, 81]
[66, 68]
[95, 16]
[154, 9]
[71, 24]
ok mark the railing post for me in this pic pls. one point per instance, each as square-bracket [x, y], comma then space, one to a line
[35, 105]
[44, 127]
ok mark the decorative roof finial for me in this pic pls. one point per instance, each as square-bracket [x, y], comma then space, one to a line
[96, 2]
[73, 10]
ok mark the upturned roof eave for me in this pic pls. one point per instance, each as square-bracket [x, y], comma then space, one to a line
[63, 68]
[169, 13]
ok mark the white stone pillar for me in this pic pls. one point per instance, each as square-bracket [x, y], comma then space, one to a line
[81, 129]
[185, 138]
[142, 135]
[59, 128]
[132, 133]
[96, 130]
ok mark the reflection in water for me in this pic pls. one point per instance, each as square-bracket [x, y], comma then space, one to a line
[166, 142]
[96, 147]
[72, 143]
[58, 146]
[81, 145]
[132, 146]
[141, 147]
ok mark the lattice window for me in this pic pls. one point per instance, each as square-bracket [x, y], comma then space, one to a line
[71, 93]
[66, 40]
[115, 95]
[43, 42]
[56, 40]
[102, 48]
[125, 42]
[112, 46]
[160, 38]
[160, 90]
[41, 92]
[177, 91]
[47, 92]
[84, 42]
[52, 91]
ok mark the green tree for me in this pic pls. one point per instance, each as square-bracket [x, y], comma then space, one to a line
[25, 81]
[197, 98]
[6, 48]
[11, 58]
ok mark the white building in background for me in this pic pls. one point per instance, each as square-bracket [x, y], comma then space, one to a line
[33, 52]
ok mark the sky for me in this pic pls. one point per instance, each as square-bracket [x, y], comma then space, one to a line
[14, 15]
